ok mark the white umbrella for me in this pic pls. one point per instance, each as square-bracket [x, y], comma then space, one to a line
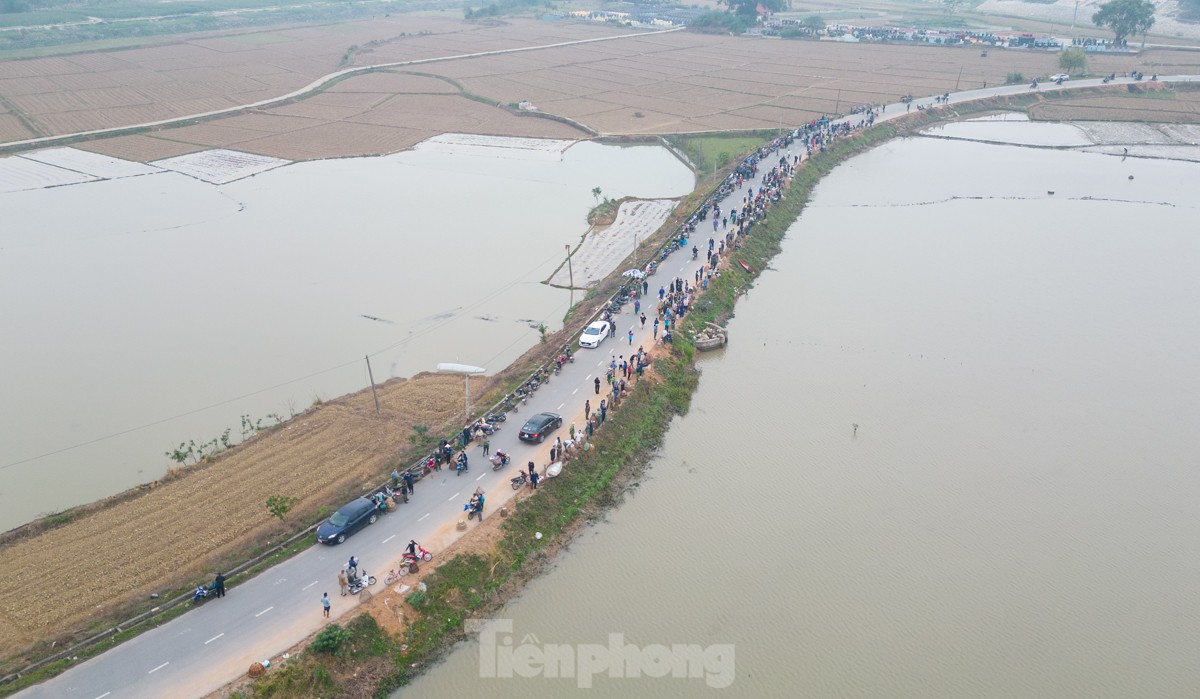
[635, 273]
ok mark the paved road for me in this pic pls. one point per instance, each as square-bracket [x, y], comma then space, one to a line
[205, 648]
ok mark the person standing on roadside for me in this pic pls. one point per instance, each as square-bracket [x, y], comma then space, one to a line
[533, 478]
[597, 385]
[408, 481]
[487, 443]
[219, 584]
[342, 584]
[325, 604]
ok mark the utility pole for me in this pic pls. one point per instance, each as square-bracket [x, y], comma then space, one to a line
[839, 102]
[1073, 19]
[570, 276]
[956, 82]
[372, 377]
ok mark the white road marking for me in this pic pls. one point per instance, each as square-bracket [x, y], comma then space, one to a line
[452, 497]
[214, 638]
[560, 405]
[103, 695]
[481, 476]
[314, 582]
[263, 612]
[393, 536]
[423, 516]
[575, 391]
[159, 668]
[587, 377]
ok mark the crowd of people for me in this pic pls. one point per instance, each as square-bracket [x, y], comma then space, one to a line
[760, 181]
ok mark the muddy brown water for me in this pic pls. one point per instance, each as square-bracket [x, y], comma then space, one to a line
[143, 312]
[1015, 514]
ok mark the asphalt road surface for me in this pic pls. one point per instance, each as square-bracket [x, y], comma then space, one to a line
[260, 618]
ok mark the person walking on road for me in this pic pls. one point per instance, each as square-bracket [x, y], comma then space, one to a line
[643, 319]
[408, 481]
[486, 445]
[325, 604]
[219, 584]
[597, 385]
[630, 334]
[656, 328]
[342, 584]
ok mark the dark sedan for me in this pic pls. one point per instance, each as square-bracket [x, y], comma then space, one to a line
[540, 425]
[351, 517]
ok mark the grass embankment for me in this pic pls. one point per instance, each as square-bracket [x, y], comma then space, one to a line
[468, 586]
[604, 213]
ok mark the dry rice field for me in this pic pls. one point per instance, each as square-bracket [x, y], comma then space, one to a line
[642, 84]
[1162, 107]
[655, 84]
[178, 530]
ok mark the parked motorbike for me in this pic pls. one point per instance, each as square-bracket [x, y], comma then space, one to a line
[398, 495]
[495, 418]
[203, 593]
[519, 481]
[422, 554]
[358, 583]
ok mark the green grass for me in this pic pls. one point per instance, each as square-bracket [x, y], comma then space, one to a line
[716, 151]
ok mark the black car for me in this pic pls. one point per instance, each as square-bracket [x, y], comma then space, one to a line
[351, 517]
[539, 426]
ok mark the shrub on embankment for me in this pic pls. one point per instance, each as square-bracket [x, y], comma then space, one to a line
[470, 585]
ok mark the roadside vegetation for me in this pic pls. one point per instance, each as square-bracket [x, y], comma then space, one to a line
[470, 585]
[466, 585]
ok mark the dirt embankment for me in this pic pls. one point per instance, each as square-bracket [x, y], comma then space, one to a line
[109, 560]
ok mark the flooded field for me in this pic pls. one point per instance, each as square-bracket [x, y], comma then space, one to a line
[949, 452]
[154, 309]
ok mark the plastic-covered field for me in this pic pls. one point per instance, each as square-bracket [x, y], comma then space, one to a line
[220, 166]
